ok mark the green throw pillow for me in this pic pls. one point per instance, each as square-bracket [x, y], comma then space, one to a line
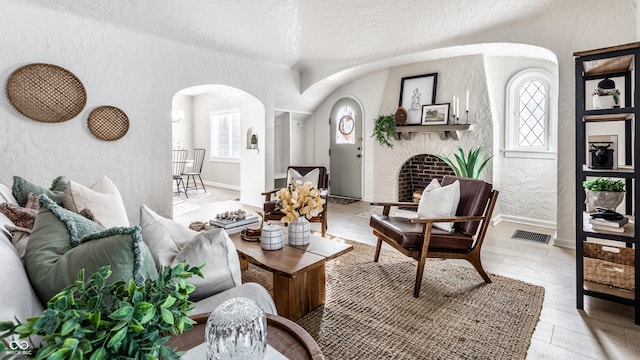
[22, 188]
[52, 263]
[78, 225]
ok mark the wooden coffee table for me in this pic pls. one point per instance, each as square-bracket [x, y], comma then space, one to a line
[298, 271]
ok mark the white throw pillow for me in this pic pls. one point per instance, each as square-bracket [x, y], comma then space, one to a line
[171, 243]
[164, 237]
[103, 198]
[440, 202]
[313, 176]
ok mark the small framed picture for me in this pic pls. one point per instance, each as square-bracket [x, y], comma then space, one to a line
[436, 114]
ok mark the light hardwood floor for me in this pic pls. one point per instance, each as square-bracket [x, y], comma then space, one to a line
[604, 330]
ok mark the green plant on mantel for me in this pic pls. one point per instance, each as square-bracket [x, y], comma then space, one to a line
[467, 165]
[604, 184]
[384, 129]
[95, 320]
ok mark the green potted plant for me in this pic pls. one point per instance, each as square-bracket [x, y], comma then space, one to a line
[254, 141]
[95, 320]
[467, 165]
[606, 98]
[603, 192]
[384, 129]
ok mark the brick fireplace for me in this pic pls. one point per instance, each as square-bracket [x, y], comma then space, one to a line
[417, 172]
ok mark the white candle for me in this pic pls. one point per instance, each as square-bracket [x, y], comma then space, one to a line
[453, 106]
[467, 108]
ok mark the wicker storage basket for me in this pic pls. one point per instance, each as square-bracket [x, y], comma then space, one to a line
[609, 265]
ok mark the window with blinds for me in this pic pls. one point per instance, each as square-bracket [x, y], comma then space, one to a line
[225, 135]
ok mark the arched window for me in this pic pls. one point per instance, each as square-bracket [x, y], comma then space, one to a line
[530, 116]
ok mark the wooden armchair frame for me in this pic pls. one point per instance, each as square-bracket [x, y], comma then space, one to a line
[472, 254]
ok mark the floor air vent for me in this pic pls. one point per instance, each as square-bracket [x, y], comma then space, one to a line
[532, 236]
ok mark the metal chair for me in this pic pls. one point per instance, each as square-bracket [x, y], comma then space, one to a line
[179, 160]
[198, 161]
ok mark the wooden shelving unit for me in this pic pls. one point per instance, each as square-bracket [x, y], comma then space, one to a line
[617, 61]
[406, 132]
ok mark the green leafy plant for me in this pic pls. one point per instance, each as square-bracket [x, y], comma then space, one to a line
[95, 320]
[604, 184]
[384, 129]
[467, 165]
[254, 139]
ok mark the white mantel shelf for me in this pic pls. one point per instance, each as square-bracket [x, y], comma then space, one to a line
[405, 132]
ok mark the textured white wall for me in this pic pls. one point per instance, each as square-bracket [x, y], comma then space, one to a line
[528, 187]
[139, 74]
[182, 131]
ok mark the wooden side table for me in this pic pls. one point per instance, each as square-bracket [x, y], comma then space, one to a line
[285, 336]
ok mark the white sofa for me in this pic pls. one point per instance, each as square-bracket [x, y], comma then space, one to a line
[19, 300]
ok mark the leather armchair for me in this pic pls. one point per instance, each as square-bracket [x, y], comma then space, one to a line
[417, 238]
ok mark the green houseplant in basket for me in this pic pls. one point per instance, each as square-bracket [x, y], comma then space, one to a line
[603, 192]
[95, 320]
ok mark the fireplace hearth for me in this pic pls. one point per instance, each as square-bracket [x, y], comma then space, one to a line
[417, 172]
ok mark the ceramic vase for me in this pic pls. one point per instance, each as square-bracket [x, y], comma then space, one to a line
[606, 199]
[299, 232]
[603, 102]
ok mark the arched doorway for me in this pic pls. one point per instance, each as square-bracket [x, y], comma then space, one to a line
[223, 120]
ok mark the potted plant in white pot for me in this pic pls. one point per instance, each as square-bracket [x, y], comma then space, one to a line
[603, 192]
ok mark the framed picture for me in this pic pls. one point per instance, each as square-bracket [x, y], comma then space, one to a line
[416, 91]
[436, 114]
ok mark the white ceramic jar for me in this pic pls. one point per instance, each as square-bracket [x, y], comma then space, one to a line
[271, 237]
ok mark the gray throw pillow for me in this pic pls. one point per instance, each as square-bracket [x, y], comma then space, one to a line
[52, 262]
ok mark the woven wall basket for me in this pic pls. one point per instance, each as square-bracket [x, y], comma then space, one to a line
[108, 123]
[46, 93]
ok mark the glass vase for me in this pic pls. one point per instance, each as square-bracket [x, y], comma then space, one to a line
[237, 329]
[299, 231]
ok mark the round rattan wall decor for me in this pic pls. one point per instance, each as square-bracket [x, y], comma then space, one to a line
[108, 123]
[47, 93]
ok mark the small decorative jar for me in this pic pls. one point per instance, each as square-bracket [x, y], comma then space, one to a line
[237, 329]
[299, 232]
[271, 237]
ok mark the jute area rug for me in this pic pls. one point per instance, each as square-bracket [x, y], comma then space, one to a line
[370, 312]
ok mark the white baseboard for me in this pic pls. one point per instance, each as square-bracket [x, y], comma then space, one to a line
[522, 220]
[224, 186]
[570, 244]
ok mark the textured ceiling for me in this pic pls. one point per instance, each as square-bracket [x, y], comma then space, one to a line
[306, 34]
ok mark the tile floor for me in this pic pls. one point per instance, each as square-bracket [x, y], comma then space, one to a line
[604, 330]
